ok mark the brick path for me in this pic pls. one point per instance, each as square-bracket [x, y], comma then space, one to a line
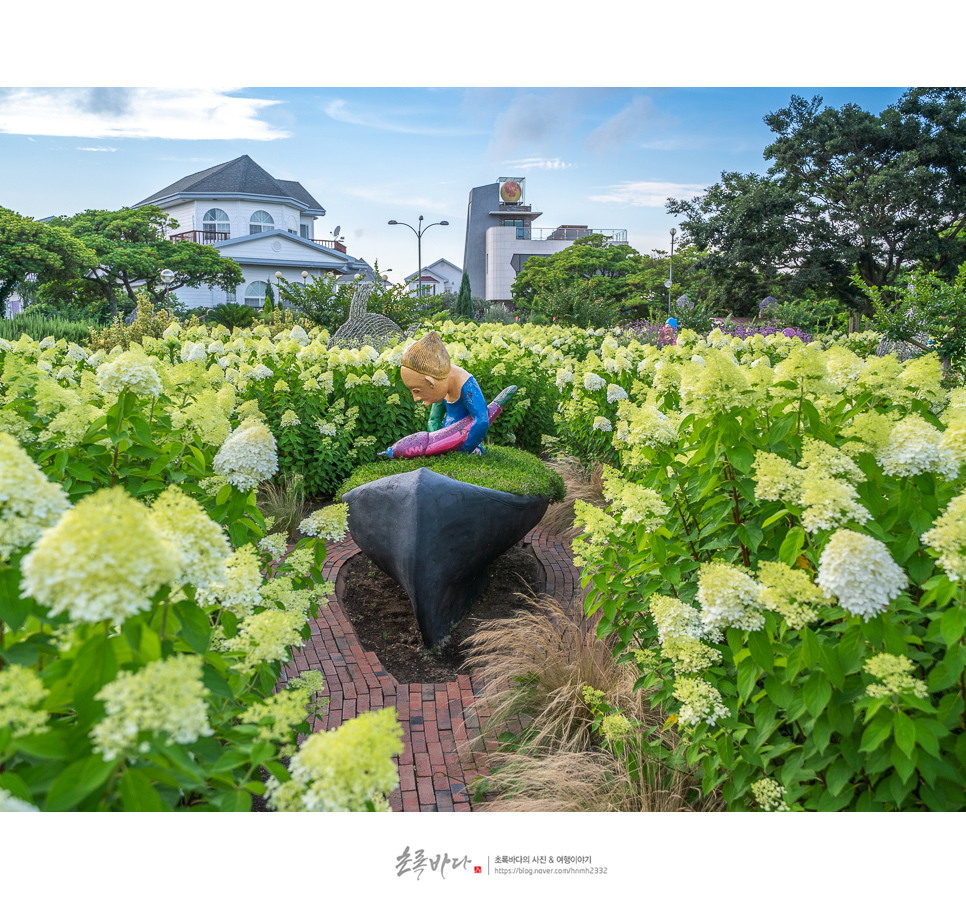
[436, 718]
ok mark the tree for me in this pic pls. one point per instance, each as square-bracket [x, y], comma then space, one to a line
[464, 299]
[29, 247]
[132, 247]
[847, 191]
[591, 267]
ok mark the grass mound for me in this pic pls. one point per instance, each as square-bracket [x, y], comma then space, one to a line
[505, 469]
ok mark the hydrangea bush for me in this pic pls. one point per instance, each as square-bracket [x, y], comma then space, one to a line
[145, 612]
[798, 607]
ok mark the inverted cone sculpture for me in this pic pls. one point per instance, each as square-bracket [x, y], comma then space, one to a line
[436, 536]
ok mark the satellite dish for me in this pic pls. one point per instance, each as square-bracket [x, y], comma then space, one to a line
[335, 232]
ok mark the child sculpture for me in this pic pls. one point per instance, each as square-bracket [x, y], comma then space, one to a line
[460, 417]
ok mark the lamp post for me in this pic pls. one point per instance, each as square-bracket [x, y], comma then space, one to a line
[278, 284]
[167, 276]
[305, 276]
[670, 276]
[419, 245]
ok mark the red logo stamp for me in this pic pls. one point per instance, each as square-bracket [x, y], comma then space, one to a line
[478, 870]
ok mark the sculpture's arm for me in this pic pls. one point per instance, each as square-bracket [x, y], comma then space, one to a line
[437, 415]
[472, 398]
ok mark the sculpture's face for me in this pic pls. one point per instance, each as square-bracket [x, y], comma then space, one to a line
[424, 389]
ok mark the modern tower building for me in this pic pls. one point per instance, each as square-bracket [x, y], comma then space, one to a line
[500, 237]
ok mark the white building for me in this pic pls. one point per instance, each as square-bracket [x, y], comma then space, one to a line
[264, 224]
[439, 278]
[500, 237]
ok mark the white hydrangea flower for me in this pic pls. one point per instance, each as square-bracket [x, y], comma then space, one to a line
[164, 696]
[248, 456]
[593, 382]
[701, 702]
[130, 370]
[948, 538]
[29, 502]
[729, 597]
[289, 418]
[602, 424]
[564, 377]
[329, 523]
[66, 569]
[326, 428]
[615, 393]
[10, 803]
[381, 379]
[193, 351]
[915, 447]
[858, 570]
[298, 334]
[203, 543]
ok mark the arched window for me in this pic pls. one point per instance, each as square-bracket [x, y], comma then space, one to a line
[215, 221]
[261, 221]
[255, 293]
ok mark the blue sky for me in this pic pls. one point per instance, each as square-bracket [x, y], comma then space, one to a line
[603, 157]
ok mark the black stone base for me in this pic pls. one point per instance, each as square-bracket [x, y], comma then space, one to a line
[436, 536]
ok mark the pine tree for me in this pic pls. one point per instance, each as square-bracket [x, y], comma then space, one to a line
[464, 299]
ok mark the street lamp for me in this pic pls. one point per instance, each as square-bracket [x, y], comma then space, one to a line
[419, 238]
[167, 276]
[305, 276]
[278, 284]
[670, 279]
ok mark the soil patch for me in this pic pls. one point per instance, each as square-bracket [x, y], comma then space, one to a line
[383, 618]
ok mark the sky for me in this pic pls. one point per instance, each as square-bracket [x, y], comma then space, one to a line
[605, 157]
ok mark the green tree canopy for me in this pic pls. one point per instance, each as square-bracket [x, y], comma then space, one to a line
[132, 247]
[591, 266]
[32, 247]
[847, 191]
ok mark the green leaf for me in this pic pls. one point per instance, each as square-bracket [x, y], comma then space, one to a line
[875, 733]
[905, 730]
[195, 625]
[811, 650]
[791, 547]
[816, 693]
[759, 645]
[747, 678]
[138, 794]
[77, 782]
[952, 624]
[831, 665]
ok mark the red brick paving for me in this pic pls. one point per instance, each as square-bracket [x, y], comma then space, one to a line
[437, 719]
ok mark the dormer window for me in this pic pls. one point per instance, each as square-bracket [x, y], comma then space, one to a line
[261, 221]
[215, 221]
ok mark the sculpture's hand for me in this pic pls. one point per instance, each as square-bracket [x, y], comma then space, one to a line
[385, 454]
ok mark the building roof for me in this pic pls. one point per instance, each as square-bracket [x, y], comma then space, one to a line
[242, 178]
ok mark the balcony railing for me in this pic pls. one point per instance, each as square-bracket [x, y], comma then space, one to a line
[568, 233]
[331, 244]
[207, 237]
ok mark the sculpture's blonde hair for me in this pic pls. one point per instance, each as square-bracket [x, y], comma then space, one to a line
[428, 357]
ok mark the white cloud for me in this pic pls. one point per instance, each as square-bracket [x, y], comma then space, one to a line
[540, 163]
[177, 114]
[99, 149]
[629, 122]
[648, 194]
[420, 122]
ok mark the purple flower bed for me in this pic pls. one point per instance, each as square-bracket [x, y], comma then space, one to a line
[653, 333]
[743, 331]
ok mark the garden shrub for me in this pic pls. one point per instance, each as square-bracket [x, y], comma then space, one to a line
[145, 609]
[783, 559]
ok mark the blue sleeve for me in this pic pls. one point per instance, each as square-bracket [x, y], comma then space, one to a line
[472, 398]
